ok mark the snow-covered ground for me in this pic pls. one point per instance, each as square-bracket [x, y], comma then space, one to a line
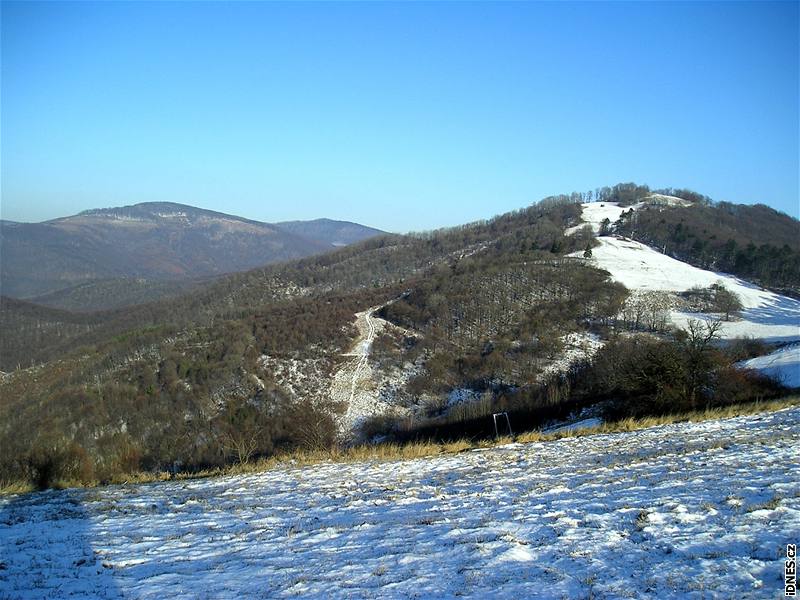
[766, 315]
[578, 346]
[679, 511]
[461, 395]
[363, 389]
[783, 365]
[664, 200]
[593, 214]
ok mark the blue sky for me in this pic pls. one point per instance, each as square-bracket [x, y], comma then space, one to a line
[400, 116]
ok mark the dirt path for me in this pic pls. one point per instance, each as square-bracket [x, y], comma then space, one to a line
[352, 383]
[364, 322]
[365, 390]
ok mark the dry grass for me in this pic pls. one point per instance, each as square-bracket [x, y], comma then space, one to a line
[393, 452]
[15, 487]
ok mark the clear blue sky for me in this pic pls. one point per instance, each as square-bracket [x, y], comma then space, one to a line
[401, 116]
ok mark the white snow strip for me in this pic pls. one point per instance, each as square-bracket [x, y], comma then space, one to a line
[679, 511]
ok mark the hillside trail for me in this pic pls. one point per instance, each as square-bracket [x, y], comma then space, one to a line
[356, 384]
[352, 383]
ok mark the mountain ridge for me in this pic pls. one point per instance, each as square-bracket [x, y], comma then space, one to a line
[152, 241]
[337, 233]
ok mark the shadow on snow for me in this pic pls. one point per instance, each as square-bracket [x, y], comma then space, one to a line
[46, 548]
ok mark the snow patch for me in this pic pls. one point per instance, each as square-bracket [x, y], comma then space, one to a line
[578, 346]
[462, 396]
[594, 213]
[664, 200]
[782, 365]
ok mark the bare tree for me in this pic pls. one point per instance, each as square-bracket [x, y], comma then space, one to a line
[244, 432]
[242, 444]
[657, 305]
[698, 342]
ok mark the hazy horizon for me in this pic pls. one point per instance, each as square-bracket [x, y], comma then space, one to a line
[397, 116]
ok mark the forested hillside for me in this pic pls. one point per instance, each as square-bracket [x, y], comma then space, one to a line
[177, 380]
[374, 263]
[110, 294]
[488, 316]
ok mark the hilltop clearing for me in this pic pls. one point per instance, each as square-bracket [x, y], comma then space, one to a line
[766, 315]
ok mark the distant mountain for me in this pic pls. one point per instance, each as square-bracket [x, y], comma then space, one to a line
[152, 241]
[335, 233]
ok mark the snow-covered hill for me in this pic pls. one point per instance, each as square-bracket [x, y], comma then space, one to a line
[766, 315]
[679, 511]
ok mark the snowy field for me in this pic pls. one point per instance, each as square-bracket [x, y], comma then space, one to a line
[766, 315]
[679, 511]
